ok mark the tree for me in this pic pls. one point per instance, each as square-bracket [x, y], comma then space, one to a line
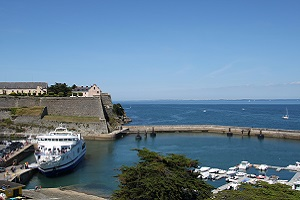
[59, 89]
[260, 190]
[118, 109]
[161, 177]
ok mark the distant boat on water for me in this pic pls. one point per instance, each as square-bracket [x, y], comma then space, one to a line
[204, 111]
[286, 116]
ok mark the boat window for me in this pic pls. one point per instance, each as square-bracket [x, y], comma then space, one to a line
[60, 139]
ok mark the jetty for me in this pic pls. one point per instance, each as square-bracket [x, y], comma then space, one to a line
[241, 131]
[15, 171]
[109, 136]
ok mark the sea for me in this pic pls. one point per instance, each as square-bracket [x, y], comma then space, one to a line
[97, 174]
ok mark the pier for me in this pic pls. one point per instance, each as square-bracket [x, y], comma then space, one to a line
[241, 131]
[295, 178]
[14, 170]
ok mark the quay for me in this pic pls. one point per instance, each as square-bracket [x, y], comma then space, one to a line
[110, 136]
[14, 170]
[241, 131]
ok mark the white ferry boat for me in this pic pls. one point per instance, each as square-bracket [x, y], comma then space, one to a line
[59, 151]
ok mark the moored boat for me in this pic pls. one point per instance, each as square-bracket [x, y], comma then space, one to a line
[59, 151]
[244, 165]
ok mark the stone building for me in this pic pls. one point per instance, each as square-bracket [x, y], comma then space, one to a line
[32, 88]
[92, 91]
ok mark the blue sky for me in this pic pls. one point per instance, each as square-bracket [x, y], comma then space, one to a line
[170, 49]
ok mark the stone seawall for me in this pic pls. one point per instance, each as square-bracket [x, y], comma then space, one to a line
[75, 106]
[65, 106]
[242, 131]
[59, 106]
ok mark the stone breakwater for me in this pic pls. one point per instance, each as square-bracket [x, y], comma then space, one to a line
[242, 131]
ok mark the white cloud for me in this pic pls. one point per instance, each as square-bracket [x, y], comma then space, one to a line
[223, 69]
[295, 83]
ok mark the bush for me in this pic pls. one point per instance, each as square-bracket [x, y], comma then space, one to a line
[13, 94]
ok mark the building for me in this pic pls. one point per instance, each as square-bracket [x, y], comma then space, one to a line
[28, 88]
[92, 91]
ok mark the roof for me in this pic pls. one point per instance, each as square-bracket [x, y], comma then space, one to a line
[81, 89]
[10, 184]
[22, 85]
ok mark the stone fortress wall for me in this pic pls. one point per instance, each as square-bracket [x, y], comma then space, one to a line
[63, 106]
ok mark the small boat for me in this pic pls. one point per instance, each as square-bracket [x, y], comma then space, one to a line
[241, 174]
[153, 134]
[232, 171]
[59, 151]
[214, 170]
[205, 175]
[204, 111]
[295, 167]
[233, 186]
[204, 169]
[296, 185]
[263, 167]
[232, 179]
[222, 171]
[244, 165]
[138, 137]
[286, 116]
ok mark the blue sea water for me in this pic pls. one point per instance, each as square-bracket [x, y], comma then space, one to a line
[96, 174]
[243, 113]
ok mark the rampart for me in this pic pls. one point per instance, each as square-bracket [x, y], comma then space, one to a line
[65, 106]
[60, 106]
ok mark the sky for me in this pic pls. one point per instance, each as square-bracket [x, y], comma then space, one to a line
[155, 49]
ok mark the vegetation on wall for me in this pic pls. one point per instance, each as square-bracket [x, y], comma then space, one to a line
[118, 109]
[71, 119]
[24, 111]
[161, 177]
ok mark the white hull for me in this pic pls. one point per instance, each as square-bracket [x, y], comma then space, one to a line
[59, 151]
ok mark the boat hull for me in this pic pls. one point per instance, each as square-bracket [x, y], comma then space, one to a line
[58, 170]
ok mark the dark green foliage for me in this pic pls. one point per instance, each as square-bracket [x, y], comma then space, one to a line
[261, 190]
[13, 94]
[13, 111]
[160, 177]
[118, 109]
[61, 89]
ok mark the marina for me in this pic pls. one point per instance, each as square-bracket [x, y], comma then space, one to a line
[237, 175]
[211, 147]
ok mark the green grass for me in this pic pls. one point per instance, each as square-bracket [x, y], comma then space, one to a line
[32, 111]
[73, 119]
